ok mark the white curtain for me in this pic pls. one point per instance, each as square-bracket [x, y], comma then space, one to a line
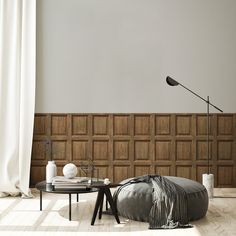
[17, 93]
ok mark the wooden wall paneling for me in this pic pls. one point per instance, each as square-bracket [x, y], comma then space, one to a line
[100, 149]
[80, 150]
[183, 125]
[163, 124]
[163, 150]
[225, 149]
[142, 150]
[142, 124]
[121, 149]
[132, 144]
[121, 125]
[225, 125]
[163, 170]
[201, 149]
[225, 176]
[39, 150]
[184, 150]
[79, 124]
[184, 171]
[126, 145]
[59, 124]
[140, 170]
[120, 173]
[59, 150]
[37, 174]
[173, 139]
[40, 125]
[152, 144]
[100, 125]
[201, 124]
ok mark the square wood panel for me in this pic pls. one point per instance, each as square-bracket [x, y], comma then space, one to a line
[162, 125]
[37, 174]
[100, 150]
[183, 125]
[121, 125]
[162, 170]
[80, 150]
[40, 125]
[103, 172]
[202, 150]
[225, 150]
[59, 125]
[79, 125]
[163, 150]
[120, 173]
[184, 150]
[225, 125]
[39, 150]
[225, 176]
[141, 170]
[142, 150]
[59, 149]
[121, 149]
[201, 124]
[100, 125]
[141, 125]
[184, 171]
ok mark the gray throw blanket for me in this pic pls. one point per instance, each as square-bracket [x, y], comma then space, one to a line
[169, 208]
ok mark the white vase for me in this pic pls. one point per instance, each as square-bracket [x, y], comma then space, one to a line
[51, 171]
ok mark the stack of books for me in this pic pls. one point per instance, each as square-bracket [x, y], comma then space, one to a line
[60, 182]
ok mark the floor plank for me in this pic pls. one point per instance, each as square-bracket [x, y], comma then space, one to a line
[22, 217]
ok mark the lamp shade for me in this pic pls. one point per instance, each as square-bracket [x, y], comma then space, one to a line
[171, 81]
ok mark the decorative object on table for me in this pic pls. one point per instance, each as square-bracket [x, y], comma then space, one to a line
[51, 171]
[90, 170]
[51, 168]
[208, 179]
[70, 170]
[62, 182]
[106, 181]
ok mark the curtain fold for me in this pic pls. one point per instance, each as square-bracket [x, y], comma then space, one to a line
[17, 93]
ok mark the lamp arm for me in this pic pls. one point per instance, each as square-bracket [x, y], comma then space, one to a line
[217, 108]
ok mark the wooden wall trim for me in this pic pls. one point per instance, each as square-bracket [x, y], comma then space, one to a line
[126, 145]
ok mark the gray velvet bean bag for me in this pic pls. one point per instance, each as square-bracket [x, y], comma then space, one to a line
[134, 201]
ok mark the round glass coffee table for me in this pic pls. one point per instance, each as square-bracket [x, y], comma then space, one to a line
[49, 188]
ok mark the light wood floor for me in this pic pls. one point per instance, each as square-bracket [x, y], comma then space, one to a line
[22, 217]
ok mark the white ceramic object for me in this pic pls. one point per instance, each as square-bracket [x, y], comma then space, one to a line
[70, 170]
[51, 171]
[107, 181]
[208, 182]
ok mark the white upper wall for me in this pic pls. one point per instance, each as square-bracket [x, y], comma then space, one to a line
[114, 55]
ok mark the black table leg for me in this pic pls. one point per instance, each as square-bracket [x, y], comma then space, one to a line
[106, 204]
[41, 201]
[77, 197]
[100, 209]
[111, 203]
[97, 205]
[69, 206]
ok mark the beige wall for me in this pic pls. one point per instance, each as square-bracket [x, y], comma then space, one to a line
[114, 55]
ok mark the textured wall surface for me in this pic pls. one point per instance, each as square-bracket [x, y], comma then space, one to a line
[114, 55]
[127, 145]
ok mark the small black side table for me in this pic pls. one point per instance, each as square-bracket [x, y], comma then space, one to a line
[104, 190]
[49, 188]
